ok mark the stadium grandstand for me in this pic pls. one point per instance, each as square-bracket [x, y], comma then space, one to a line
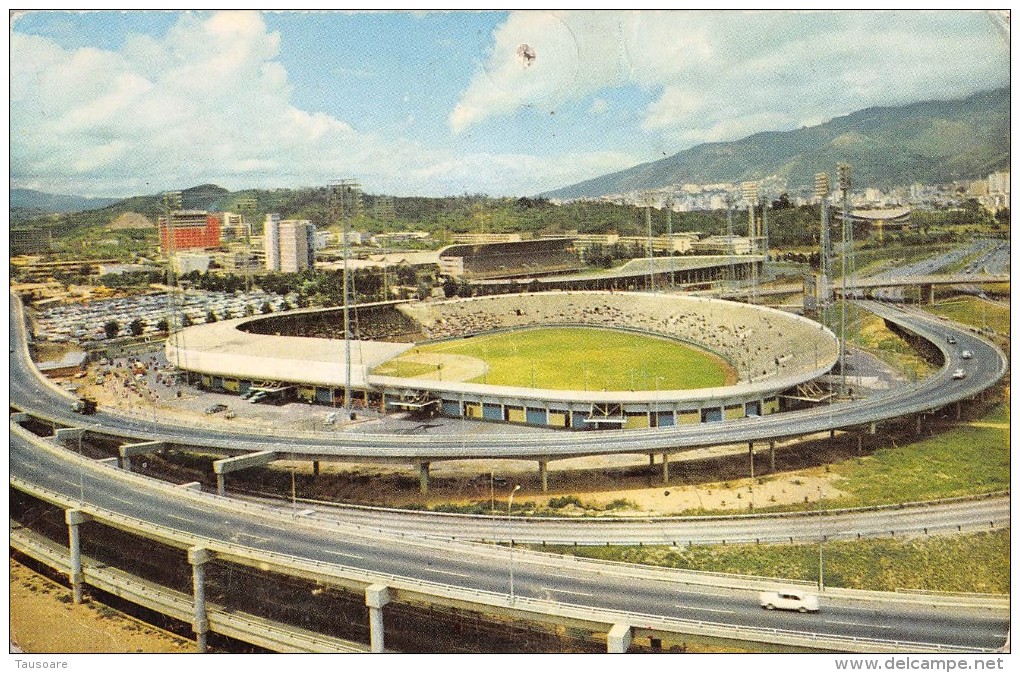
[772, 352]
[485, 261]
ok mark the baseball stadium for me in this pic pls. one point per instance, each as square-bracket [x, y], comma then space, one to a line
[580, 360]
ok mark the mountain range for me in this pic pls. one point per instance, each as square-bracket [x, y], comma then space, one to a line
[931, 142]
[41, 202]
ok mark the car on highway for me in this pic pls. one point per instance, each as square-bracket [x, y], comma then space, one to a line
[215, 408]
[966, 355]
[959, 374]
[789, 599]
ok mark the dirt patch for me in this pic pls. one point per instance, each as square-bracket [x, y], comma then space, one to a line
[45, 620]
[448, 367]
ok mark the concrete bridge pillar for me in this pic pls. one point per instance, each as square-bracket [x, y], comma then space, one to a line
[619, 638]
[917, 425]
[423, 477]
[198, 557]
[750, 454]
[772, 455]
[872, 428]
[221, 484]
[958, 411]
[315, 468]
[929, 293]
[74, 518]
[665, 468]
[543, 473]
[376, 596]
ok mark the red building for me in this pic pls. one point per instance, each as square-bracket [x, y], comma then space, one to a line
[192, 230]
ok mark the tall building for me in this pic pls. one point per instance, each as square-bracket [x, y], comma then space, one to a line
[289, 244]
[271, 241]
[189, 230]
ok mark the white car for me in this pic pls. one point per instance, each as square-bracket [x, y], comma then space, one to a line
[959, 374]
[789, 599]
[966, 355]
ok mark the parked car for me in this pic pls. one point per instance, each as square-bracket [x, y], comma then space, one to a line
[959, 374]
[258, 397]
[789, 599]
[951, 340]
[966, 355]
[215, 408]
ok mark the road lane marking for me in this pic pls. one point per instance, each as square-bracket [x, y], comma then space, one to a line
[340, 553]
[565, 591]
[871, 626]
[446, 572]
[688, 607]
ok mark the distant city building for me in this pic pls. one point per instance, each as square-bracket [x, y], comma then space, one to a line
[396, 237]
[486, 238]
[271, 241]
[289, 244]
[722, 245]
[234, 228]
[186, 263]
[191, 229]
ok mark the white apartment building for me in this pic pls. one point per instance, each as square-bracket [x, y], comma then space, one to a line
[289, 244]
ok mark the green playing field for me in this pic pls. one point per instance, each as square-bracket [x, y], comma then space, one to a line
[578, 358]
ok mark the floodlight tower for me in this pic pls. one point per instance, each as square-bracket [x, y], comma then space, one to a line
[729, 240]
[171, 201]
[651, 250]
[386, 213]
[247, 207]
[669, 237]
[843, 172]
[822, 287]
[342, 195]
[750, 192]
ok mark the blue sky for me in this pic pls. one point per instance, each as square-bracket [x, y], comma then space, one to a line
[111, 103]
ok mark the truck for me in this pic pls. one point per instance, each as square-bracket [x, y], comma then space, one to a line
[84, 406]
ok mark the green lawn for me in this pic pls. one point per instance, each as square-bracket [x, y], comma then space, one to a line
[968, 563]
[589, 359]
[969, 459]
[975, 312]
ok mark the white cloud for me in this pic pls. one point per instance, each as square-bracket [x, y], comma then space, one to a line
[717, 73]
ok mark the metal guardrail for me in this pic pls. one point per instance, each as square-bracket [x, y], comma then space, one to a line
[248, 628]
[703, 578]
[287, 564]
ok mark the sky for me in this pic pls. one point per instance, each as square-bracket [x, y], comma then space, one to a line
[122, 103]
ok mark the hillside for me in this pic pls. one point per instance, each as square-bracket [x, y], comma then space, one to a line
[928, 142]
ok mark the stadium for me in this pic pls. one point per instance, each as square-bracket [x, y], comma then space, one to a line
[303, 355]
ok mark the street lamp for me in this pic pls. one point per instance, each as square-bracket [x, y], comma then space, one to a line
[509, 529]
[821, 545]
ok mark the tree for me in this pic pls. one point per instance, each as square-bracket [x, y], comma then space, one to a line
[186, 320]
[137, 326]
[265, 309]
[112, 328]
[450, 287]
[211, 316]
[163, 325]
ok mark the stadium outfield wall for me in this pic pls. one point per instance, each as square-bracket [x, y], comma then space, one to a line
[771, 350]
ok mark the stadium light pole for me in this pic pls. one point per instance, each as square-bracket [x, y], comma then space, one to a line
[843, 171]
[509, 529]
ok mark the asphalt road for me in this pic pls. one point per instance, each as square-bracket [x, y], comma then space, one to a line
[484, 567]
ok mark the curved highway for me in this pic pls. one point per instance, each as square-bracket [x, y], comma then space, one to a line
[986, 367]
[105, 491]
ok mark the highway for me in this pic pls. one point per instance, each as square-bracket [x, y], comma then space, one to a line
[103, 490]
[482, 567]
